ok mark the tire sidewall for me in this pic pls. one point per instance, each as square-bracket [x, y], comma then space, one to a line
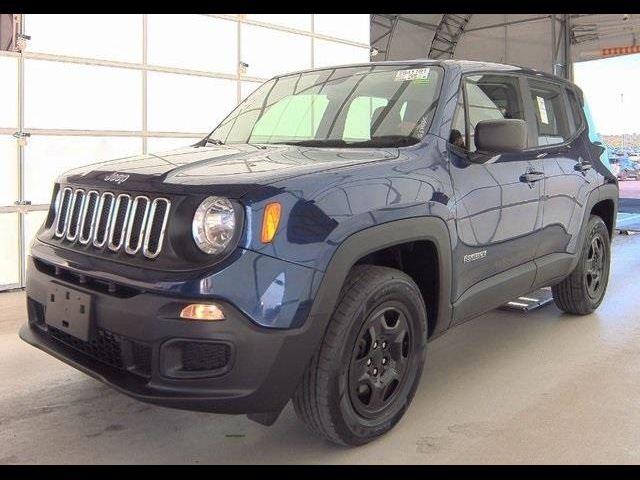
[349, 424]
[596, 226]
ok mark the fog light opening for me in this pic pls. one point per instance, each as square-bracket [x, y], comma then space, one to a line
[200, 311]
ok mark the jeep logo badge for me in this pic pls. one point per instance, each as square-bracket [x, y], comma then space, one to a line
[116, 177]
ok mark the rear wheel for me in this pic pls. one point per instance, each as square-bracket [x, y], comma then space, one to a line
[367, 369]
[582, 291]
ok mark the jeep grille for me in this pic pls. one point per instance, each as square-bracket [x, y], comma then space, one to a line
[112, 221]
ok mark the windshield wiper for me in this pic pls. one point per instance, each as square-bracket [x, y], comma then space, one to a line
[329, 143]
[387, 141]
[207, 140]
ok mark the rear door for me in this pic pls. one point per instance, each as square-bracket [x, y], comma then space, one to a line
[560, 146]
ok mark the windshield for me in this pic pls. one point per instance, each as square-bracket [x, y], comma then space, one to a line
[378, 105]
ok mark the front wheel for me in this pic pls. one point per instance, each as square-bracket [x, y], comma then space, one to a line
[366, 371]
[582, 291]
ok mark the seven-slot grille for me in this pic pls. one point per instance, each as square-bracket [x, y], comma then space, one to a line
[113, 221]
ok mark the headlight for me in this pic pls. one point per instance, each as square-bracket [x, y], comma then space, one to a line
[214, 225]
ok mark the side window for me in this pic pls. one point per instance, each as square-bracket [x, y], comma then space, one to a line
[551, 114]
[491, 97]
[576, 110]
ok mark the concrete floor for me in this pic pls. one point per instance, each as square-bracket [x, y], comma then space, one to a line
[505, 388]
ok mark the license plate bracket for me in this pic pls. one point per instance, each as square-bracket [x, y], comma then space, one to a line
[69, 310]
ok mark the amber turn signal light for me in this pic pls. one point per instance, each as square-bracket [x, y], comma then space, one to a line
[199, 311]
[270, 221]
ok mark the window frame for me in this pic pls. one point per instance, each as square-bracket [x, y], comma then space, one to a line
[522, 91]
[529, 109]
[531, 115]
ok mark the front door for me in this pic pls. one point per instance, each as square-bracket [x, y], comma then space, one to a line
[498, 198]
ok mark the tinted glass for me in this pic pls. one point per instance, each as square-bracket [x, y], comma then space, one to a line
[550, 111]
[576, 110]
[491, 97]
[350, 106]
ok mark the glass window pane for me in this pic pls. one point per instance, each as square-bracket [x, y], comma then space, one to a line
[8, 92]
[163, 144]
[576, 110]
[46, 157]
[294, 117]
[263, 49]
[9, 169]
[32, 223]
[187, 103]
[354, 27]
[492, 97]
[195, 42]
[332, 53]
[86, 97]
[358, 123]
[104, 36]
[247, 88]
[9, 265]
[551, 114]
[299, 21]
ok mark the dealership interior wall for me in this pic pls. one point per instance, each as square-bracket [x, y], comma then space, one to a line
[88, 87]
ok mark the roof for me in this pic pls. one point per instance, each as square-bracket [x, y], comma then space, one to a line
[465, 66]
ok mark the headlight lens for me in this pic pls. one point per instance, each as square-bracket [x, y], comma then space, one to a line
[214, 225]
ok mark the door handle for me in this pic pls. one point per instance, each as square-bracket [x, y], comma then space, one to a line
[531, 177]
[582, 166]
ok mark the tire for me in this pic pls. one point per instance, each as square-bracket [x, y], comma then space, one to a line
[583, 290]
[348, 394]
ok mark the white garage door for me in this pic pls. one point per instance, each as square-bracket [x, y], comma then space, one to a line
[93, 87]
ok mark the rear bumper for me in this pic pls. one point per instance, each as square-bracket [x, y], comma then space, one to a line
[138, 347]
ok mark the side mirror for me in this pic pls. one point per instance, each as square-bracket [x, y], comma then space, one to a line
[501, 136]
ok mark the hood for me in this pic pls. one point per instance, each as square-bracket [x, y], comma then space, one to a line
[230, 170]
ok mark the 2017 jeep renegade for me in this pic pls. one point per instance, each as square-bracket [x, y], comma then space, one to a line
[311, 245]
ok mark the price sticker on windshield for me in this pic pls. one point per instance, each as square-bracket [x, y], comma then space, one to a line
[413, 74]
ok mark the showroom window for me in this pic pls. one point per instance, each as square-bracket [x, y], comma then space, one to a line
[84, 88]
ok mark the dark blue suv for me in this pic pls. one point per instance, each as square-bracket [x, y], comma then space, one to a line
[312, 244]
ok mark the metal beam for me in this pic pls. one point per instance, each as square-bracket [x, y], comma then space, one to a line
[448, 34]
[507, 24]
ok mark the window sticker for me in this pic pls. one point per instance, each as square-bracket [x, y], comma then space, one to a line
[542, 108]
[413, 74]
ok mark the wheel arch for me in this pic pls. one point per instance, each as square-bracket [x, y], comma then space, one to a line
[361, 245]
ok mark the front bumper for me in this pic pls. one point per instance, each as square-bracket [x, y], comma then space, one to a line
[137, 348]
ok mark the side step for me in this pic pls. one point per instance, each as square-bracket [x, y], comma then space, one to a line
[526, 303]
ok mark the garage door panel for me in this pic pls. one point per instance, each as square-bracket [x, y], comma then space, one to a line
[85, 97]
[46, 157]
[264, 50]
[186, 103]
[9, 167]
[102, 36]
[8, 92]
[194, 42]
[9, 250]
